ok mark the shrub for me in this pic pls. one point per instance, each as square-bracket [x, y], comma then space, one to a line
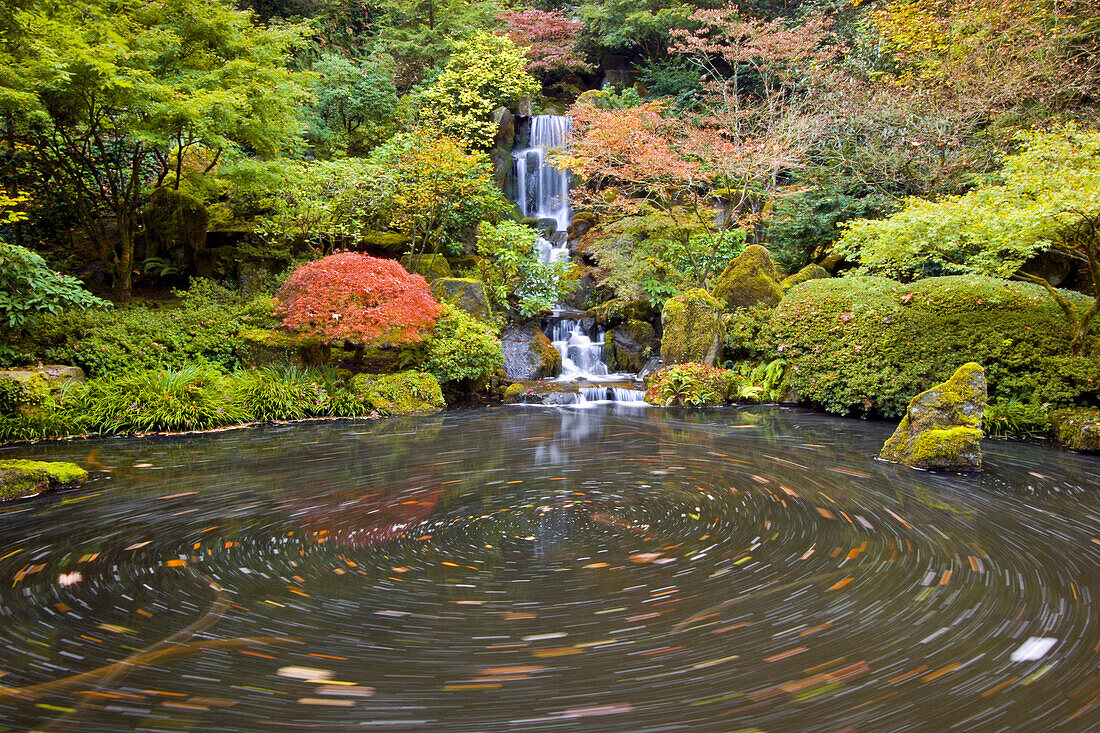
[274, 393]
[462, 348]
[1008, 416]
[867, 344]
[691, 384]
[359, 298]
[29, 288]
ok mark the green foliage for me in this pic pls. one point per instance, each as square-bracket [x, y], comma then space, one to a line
[355, 103]
[1009, 416]
[514, 277]
[625, 26]
[277, 393]
[191, 398]
[203, 328]
[484, 73]
[675, 78]
[28, 288]
[763, 382]
[691, 385]
[868, 345]
[461, 348]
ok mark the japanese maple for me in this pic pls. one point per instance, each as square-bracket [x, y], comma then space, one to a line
[550, 38]
[358, 298]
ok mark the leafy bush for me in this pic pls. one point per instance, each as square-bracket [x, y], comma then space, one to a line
[693, 385]
[764, 382]
[514, 277]
[273, 393]
[869, 345]
[1008, 416]
[203, 328]
[33, 411]
[462, 348]
[29, 288]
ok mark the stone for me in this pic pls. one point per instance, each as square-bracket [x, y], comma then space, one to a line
[1077, 429]
[268, 347]
[693, 329]
[748, 279]
[809, 272]
[466, 294]
[942, 429]
[540, 393]
[173, 229]
[403, 393]
[430, 266]
[55, 375]
[630, 346]
[21, 478]
[387, 241]
[528, 354]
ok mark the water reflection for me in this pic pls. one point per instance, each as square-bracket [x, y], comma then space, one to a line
[537, 569]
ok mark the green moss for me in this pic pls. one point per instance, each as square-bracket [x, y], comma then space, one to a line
[867, 344]
[19, 478]
[529, 221]
[807, 273]
[933, 448]
[261, 347]
[749, 279]
[399, 394]
[430, 266]
[390, 241]
[512, 393]
[586, 216]
[693, 329]
[1078, 429]
[551, 357]
[467, 294]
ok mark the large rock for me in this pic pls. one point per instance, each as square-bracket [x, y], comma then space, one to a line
[1077, 429]
[528, 354]
[749, 279]
[20, 478]
[262, 347]
[809, 272]
[431, 267]
[630, 346]
[464, 293]
[174, 229]
[693, 329]
[942, 428]
[404, 393]
[55, 375]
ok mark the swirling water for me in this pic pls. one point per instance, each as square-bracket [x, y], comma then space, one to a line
[522, 569]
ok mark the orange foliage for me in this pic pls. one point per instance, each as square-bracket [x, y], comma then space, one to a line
[359, 298]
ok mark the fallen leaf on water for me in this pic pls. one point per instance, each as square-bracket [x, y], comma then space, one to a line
[840, 584]
[305, 673]
[645, 557]
[320, 701]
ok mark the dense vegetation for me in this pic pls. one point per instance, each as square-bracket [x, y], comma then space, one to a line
[213, 206]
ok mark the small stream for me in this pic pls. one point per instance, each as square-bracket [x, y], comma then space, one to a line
[509, 569]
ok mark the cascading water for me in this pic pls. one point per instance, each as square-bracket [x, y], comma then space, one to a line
[542, 191]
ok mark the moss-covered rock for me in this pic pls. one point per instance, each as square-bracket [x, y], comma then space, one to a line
[693, 329]
[173, 230]
[388, 241]
[630, 345]
[466, 294]
[55, 375]
[942, 428]
[869, 345]
[262, 347]
[807, 273]
[1078, 429]
[528, 353]
[690, 385]
[20, 478]
[749, 279]
[402, 393]
[617, 310]
[430, 266]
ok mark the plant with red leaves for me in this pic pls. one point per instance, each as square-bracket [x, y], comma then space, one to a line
[358, 298]
[551, 39]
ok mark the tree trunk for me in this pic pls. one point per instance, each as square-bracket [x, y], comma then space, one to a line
[124, 263]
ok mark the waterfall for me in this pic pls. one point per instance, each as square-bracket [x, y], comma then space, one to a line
[581, 357]
[542, 191]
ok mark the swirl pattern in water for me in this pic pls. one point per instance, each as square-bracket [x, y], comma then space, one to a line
[527, 569]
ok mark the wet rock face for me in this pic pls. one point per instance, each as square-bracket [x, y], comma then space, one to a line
[693, 329]
[528, 354]
[630, 346]
[942, 429]
[749, 279]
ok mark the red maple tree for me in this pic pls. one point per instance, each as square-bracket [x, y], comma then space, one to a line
[551, 38]
[358, 298]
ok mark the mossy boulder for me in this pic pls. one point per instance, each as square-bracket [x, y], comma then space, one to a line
[430, 266]
[942, 428]
[809, 272]
[617, 310]
[402, 393]
[388, 241]
[630, 345]
[466, 294]
[55, 375]
[749, 279]
[269, 347]
[20, 478]
[691, 385]
[528, 353]
[693, 329]
[1078, 429]
[174, 227]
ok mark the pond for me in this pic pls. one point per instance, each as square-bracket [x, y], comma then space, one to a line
[614, 568]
